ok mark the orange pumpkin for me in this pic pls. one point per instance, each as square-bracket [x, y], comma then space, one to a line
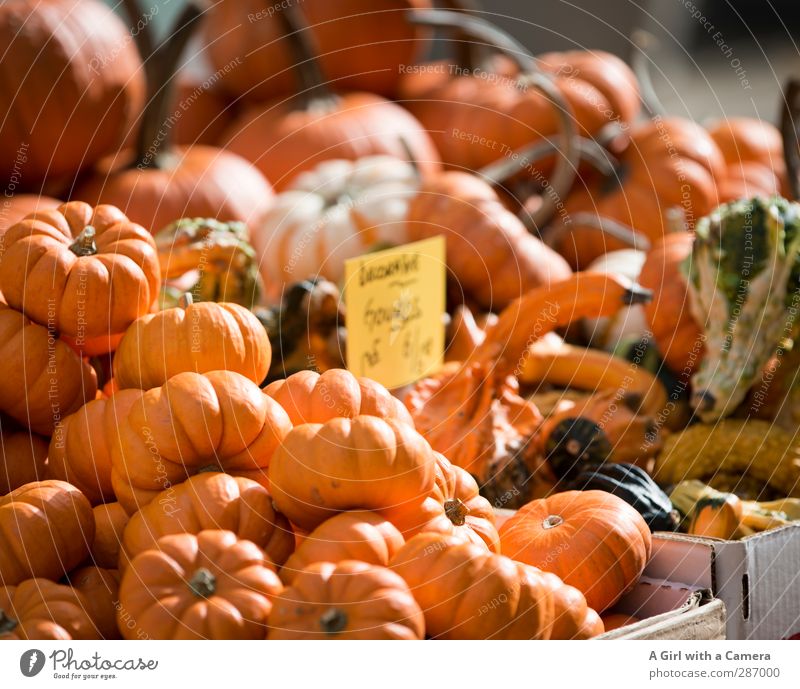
[455, 507]
[572, 616]
[345, 464]
[80, 449]
[160, 442]
[467, 592]
[39, 609]
[358, 535]
[46, 529]
[678, 336]
[106, 266]
[14, 209]
[211, 585]
[350, 34]
[23, 456]
[592, 540]
[201, 337]
[210, 500]
[348, 600]
[78, 94]
[749, 140]
[311, 397]
[110, 520]
[100, 590]
[286, 137]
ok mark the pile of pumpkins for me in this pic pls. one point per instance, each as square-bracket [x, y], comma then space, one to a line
[154, 486]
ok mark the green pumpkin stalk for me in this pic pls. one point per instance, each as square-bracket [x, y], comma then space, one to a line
[743, 291]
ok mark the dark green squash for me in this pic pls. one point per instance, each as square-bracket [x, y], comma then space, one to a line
[575, 444]
[633, 485]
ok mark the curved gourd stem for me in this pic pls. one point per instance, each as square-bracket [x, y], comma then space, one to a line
[467, 54]
[531, 76]
[154, 136]
[790, 119]
[643, 41]
[143, 36]
[613, 228]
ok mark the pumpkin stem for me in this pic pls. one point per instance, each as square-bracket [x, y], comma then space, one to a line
[790, 117]
[613, 228]
[155, 132]
[203, 583]
[143, 35]
[185, 302]
[333, 620]
[210, 469]
[456, 511]
[313, 88]
[644, 43]
[7, 623]
[84, 243]
[552, 521]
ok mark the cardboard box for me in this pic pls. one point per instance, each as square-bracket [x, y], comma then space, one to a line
[758, 578]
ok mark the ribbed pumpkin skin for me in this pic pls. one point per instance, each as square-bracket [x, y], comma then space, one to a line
[30, 359]
[159, 592]
[80, 449]
[467, 592]
[43, 610]
[572, 617]
[211, 500]
[592, 540]
[348, 600]
[110, 520]
[194, 422]
[46, 529]
[100, 590]
[311, 397]
[202, 337]
[20, 205]
[345, 464]
[80, 296]
[82, 86]
[358, 535]
[22, 456]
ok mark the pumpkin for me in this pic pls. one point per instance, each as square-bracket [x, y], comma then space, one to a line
[14, 209]
[156, 183]
[467, 592]
[481, 110]
[41, 378]
[311, 397]
[23, 456]
[197, 337]
[288, 136]
[160, 442]
[210, 500]
[347, 600]
[634, 486]
[492, 256]
[39, 609]
[669, 164]
[747, 140]
[472, 413]
[363, 44]
[205, 110]
[345, 464]
[358, 535]
[454, 507]
[572, 616]
[335, 211]
[110, 520]
[100, 590]
[747, 180]
[46, 529]
[210, 259]
[80, 449]
[678, 337]
[77, 96]
[592, 540]
[211, 585]
[106, 267]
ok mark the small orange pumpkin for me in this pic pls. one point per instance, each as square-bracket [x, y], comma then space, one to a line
[100, 590]
[110, 520]
[23, 456]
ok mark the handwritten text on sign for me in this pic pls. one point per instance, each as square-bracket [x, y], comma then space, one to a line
[395, 300]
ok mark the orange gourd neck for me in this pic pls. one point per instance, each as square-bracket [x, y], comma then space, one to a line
[203, 583]
[552, 521]
[84, 243]
[155, 132]
[7, 624]
[333, 621]
[790, 118]
[456, 511]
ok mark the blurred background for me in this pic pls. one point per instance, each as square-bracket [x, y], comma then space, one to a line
[711, 56]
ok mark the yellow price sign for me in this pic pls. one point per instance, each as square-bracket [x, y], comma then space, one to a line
[395, 301]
